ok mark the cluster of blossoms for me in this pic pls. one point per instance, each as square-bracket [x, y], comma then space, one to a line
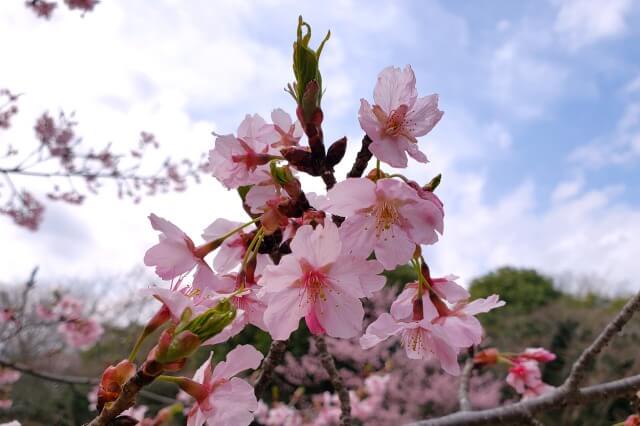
[325, 410]
[524, 370]
[61, 158]
[79, 330]
[303, 255]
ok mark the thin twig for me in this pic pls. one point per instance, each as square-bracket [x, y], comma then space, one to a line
[343, 393]
[465, 378]
[362, 159]
[588, 355]
[273, 359]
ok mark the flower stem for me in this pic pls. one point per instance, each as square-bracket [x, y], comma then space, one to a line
[136, 347]
[170, 379]
[239, 228]
[377, 169]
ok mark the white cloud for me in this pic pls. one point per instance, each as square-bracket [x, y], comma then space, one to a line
[567, 189]
[622, 146]
[584, 22]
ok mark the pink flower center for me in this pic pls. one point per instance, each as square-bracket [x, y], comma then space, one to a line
[396, 124]
[413, 338]
[250, 158]
[386, 214]
[313, 284]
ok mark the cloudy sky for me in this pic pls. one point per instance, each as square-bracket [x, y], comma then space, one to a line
[539, 146]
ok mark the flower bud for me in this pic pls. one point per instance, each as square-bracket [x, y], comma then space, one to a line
[212, 321]
[487, 356]
[181, 346]
[305, 68]
[301, 159]
[433, 183]
[112, 381]
[335, 153]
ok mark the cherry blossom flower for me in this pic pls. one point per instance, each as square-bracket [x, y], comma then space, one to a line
[265, 199]
[386, 216]
[318, 283]
[526, 379]
[81, 333]
[398, 117]
[420, 338]
[242, 160]
[176, 254]
[221, 398]
[289, 132]
[6, 404]
[282, 415]
[445, 288]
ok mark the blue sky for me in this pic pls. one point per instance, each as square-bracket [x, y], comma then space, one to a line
[539, 146]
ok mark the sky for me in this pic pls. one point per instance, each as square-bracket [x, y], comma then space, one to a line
[539, 146]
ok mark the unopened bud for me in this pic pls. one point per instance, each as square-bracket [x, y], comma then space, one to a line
[212, 321]
[305, 66]
[182, 345]
[487, 356]
[301, 159]
[335, 153]
[112, 381]
[281, 175]
[433, 183]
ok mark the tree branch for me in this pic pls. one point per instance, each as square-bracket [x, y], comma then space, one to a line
[273, 359]
[588, 355]
[343, 393]
[76, 380]
[362, 159]
[566, 394]
[521, 410]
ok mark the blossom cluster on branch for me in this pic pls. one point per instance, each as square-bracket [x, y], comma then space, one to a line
[72, 170]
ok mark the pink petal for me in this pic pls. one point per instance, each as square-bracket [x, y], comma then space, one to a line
[424, 115]
[259, 195]
[394, 248]
[462, 332]
[390, 150]
[175, 301]
[381, 329]
[368, 121]
[234, 403]
[479, 306]
[243, 357]
[166, 227]
[218, 228]
[283, 313]
[228, 257]
[171, 258]
[395, 87]
[449, 290]
[415, 153]
[351, 195]
[447, 355]
[340, 315]
[320, 246]
[402, 307]
[281, 119]
[280, 277]
[358, 235]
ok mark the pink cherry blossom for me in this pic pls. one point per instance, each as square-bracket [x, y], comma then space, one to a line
[387, 217]
[282, 415]
[537, 354]
[6, 404]
[421, 339]
[289, 132]
[8, 376]
[221, 398]
[398, 117]
[265, 199]
[445, 288]
[318, 283]
[242, 160]
[176, 254]
[526, 379]
[81, 333]
[460, 325]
